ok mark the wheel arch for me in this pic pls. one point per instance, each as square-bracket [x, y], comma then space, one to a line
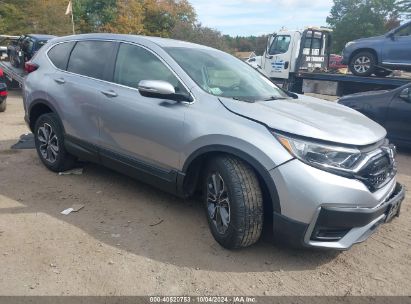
[194, 165]
[39, 107]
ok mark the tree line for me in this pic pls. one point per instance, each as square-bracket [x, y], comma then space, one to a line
[166, 18]
[349, 19]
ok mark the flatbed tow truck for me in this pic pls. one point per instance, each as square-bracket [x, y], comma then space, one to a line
[298, 61]
[14, 76]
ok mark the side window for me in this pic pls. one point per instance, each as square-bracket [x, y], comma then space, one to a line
[406, 31]
[135, 64]
[280, 45]
[91, 58]
[59, 54]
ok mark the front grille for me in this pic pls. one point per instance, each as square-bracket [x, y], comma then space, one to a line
[378, 171]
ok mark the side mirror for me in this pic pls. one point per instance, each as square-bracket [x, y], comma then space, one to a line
[406, 95]
[157, 87]
[391, 36]
[161, 89]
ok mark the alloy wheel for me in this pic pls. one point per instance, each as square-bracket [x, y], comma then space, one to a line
[49, 145]
[362, 64]
[218, 203]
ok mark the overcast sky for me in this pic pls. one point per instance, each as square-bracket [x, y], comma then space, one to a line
[257, 17]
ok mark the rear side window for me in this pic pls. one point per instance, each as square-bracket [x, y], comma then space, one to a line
[59, 54]
[91, 58]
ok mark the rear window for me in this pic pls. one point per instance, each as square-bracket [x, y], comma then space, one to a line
[91, 58]
[40, 44]
[59, 54]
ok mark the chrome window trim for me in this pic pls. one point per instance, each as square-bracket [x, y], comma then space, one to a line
[113, 83]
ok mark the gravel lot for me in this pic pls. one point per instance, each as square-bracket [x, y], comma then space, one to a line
[131, 239]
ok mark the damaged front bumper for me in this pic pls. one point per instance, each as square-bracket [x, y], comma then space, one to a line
[336, 227]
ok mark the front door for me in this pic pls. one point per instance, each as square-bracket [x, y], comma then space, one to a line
[398, 123]
[147, 131]
[278, 57]
[396, 50]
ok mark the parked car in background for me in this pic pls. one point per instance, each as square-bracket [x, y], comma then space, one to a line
[391, 109]
[188, 118]
[25, 47]
[379, 55]
[336, 62]
[3, 92]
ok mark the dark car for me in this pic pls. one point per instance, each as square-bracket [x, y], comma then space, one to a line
[25, 47]
[379, 55]
[3, 91]
[391, 109]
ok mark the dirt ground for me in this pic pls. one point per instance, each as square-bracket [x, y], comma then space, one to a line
[131, 239]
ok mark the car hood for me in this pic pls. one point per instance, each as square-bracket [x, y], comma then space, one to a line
[369, 39]
[311, 117]
[365, 94]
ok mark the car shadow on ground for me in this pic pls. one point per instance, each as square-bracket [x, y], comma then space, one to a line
[131, 216]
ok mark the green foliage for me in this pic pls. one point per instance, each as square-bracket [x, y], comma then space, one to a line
[165, 18]
[93, 15]
[353, 19]
[405, 7]
[40, 16]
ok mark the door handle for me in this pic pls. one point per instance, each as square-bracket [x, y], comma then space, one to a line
[60, 81]
[110, 93]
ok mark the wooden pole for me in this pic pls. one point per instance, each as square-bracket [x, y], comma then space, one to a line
[72, 16]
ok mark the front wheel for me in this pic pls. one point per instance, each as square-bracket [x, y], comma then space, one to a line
[363, 64]
[233, 202]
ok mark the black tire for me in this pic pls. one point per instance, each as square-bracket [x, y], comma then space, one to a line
[366, 68]
[382, 73]
[3, 105]
[245, 202]
[57, 162]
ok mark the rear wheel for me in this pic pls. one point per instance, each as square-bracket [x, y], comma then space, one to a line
[233, 202]
[49, 140]
[363, 64]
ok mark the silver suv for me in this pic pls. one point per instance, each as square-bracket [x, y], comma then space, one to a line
[188, 118]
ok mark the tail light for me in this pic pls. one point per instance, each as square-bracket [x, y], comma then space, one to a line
[30, 67]
[1, 73]
[3, 93]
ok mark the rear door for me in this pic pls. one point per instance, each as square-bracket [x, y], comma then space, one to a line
[398, 122]
[396, 50]
[77, 86]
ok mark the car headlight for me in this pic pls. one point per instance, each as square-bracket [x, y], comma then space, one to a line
[323, 156]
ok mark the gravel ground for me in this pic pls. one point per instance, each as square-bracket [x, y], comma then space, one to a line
[131, 239]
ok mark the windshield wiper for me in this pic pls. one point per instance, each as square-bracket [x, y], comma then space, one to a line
[274, 98]
[246, 100]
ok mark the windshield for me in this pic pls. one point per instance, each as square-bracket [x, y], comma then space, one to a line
[221, 74]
